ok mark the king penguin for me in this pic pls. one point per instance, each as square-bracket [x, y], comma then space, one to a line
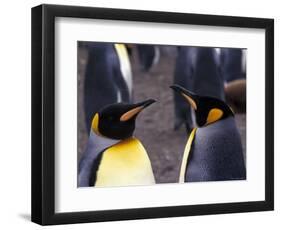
[114, 157]
[213, 151]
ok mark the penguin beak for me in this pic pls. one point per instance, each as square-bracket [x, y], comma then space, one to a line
[137, 108]
[190, 97]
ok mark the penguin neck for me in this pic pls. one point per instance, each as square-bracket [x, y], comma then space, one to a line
[99, 143]
[222, 120]
[96, 145]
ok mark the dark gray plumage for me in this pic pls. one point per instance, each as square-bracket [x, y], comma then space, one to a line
[216, 153]
[96, 145]
[148, 56]
[233, 64]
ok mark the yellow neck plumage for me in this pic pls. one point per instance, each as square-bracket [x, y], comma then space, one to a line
[125, 164]
[186, 155]
[95, 124]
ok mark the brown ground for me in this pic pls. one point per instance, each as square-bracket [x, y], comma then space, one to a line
[154, 126]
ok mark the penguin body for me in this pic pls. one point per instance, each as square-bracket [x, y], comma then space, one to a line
[108, 78]
[114, 157]
[197, 69]
[149, 55]
[216, 154]
[183, 77]
[214, 150]
[207, 76]
[233, 64]
[124, 164]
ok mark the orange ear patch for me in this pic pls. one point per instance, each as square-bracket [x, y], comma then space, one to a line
[214, 115]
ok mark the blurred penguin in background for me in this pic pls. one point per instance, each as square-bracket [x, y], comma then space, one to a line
[213, 151]
[108, 78]
[197, 69]
[149, 56]
[233, 64]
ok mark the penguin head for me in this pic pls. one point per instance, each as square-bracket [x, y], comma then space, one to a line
[207, 109]
[117, 121]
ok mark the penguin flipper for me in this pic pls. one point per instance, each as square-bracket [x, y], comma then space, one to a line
[95, 167]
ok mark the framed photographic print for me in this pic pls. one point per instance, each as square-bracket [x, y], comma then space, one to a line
[141, 114]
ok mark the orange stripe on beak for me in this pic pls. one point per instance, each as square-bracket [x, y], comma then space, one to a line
[128, 115]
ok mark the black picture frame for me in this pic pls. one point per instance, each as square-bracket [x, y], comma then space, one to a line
[43, 113]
